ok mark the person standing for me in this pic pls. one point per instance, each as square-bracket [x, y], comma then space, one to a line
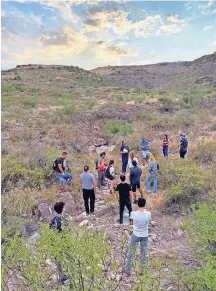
[165, 145]
[124, 150]
[183, 146]
[101, 167]
[59, 166]
[153, 171]
[144, 146]
[124, 196]
[132, 157]
[135, 175]
[88, 187]
[140, 220]
[110, 175]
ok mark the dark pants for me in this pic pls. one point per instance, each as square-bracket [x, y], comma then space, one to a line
[122, 204]
[165, 151]
[101, 179]
[89, 194]
[182, 153]
[124, 163]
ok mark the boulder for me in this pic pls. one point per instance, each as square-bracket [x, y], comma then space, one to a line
[84, 222]
[153, 223]
[45, 213]
[100, 142]
[28, 229]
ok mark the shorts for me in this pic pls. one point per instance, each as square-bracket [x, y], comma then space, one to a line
[145, 153]
[134, 187]
[111, 178]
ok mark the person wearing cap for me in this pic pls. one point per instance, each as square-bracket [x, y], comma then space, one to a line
[88, 187]
[144, 146]
[183, 145]
[153, 171]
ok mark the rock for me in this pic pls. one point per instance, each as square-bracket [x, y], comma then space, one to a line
[91, 149]
[67, 198]
[84, 222]
[153, 236]
[179, 233]
[153, 223]
[44, 209]
[100, 142]
[32, 240]
[102, 149]
[111, 148]
[171, 288]
[28, 229]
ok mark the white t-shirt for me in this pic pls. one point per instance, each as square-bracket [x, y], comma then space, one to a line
[130, 162]
[141, 221]
[111, 170]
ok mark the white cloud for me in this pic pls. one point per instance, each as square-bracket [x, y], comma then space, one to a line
[214, 44]
[152, 52]
[207, 27]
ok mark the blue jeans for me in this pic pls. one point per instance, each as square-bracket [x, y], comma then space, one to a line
[63, 178]
[124, 163]
[143, 249]
[165, 151]
[149, 179]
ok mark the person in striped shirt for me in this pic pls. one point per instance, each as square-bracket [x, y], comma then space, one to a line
[165, 145]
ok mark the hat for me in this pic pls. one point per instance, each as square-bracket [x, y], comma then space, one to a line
[182, 134]
[86, 168]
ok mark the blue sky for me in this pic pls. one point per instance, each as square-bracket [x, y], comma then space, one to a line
[97, 33]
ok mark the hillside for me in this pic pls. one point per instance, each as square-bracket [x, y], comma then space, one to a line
[176, 75]
[50, 109]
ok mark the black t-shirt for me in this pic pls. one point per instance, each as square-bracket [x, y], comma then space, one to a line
[124, 191]
[60, 161]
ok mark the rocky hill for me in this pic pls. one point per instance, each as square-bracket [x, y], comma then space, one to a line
[180, 75]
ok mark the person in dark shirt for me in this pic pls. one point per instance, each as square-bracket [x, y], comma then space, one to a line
[124, 150]
[183, 146]
[61, 171]
[135, 175]
[123, 194]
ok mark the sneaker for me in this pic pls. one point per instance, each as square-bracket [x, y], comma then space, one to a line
[92, 214]
[87, 214]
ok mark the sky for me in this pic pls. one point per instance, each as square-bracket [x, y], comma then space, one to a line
[94, 33]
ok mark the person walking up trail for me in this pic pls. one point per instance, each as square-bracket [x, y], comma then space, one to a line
[183, 146]
[144, 146]
[101, 167]
[165, 145]
[88, 187]
[153, 171]
[110, 175]
[59, 166]
[135, 175]
[140, 220]
[124, 153]
[132, 157]
[124, 196]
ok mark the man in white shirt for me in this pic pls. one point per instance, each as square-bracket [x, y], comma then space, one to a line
[140, 220]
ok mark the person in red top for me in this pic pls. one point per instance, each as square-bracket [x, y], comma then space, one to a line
[165, 145]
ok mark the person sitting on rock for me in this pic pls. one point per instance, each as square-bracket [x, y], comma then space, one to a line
[135, 176]
[88, 186]
[124, 196]
[140, 220]
[110, 175]
[60, 167]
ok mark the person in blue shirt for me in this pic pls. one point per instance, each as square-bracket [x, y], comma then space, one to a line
[144, 146]
[124, 151]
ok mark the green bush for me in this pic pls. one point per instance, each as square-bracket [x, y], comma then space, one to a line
[63, 101]
[116, 126]
[91, 103]
[145, 116]
[29, 103]
[205, 152]
[69, 109]
[83, 255]
[184, 180]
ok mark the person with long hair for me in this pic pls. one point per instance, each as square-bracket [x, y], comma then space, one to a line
[165, 145]
[132, 158]
[110, 175]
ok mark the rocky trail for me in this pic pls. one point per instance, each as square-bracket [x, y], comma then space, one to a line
[167, 240]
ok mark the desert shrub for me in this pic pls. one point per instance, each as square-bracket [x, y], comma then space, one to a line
[205, 152]
[63, 101]
[114, 126]
[29, 103]
[184, 180]
[120, 98]
[145, 116]
[91, 103]
[69, 109]
[84, 256]
[202, 229]
[19, 88]
[6, 88]
[167, 104]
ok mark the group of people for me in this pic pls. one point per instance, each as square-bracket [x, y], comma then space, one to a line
[125, 192]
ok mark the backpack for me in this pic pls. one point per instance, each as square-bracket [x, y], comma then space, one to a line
[107, 173]
[55, 166]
